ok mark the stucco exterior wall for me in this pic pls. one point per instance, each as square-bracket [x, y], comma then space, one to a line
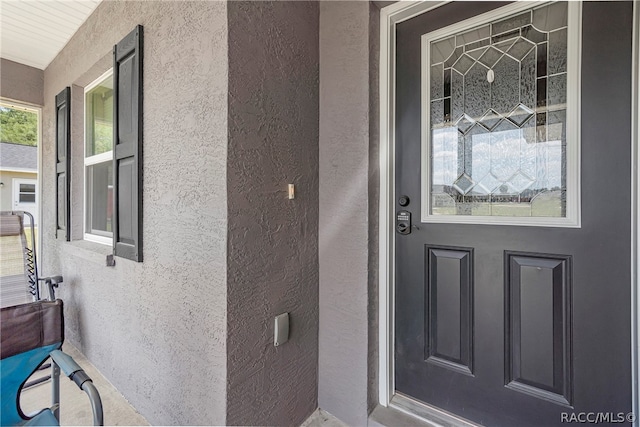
[157, 329]
[272, 241]
[20, 82]
[348, 210]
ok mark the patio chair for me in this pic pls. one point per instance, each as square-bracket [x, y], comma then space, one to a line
[19, 279]
[31, 333]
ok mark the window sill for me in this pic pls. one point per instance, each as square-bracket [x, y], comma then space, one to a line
[101, 240]
[87, 250]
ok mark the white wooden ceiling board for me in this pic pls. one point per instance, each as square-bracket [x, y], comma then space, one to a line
[26, 14]
[57, 10]
[28, 24]
[36, 24]
[22, 59]
[33, 32]
[39, 15]
[60, 14]
[77, 9]
[67, 8]
[26, 46]
[23, 48]
[81, 6]
[37, 18]
[15, 30]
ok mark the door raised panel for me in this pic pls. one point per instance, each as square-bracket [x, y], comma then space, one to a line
[538, 325]
[450, 308]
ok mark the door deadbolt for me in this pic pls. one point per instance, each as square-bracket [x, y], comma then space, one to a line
[403, 222]
[403, 201]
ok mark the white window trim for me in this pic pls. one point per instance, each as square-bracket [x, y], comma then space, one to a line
[98, 158]
[92, 160]
[635, 217]
[573, 214]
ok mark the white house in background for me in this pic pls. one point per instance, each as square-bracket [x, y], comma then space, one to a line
[19, 178]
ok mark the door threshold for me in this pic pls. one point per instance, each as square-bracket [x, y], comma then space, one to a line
[430, 415]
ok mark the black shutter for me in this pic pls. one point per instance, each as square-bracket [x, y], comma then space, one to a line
[63, 163]
[127, 146]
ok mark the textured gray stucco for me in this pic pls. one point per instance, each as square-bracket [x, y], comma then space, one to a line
[20, 82]
[348, 199]
[272, 241]
[156, 329]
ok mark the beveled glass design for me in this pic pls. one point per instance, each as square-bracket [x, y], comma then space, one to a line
[497, 119]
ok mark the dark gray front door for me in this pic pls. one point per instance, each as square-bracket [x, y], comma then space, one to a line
[502, 316]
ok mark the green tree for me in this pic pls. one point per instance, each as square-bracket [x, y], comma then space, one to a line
[18, 126]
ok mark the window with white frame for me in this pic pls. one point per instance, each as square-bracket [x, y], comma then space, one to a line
[98, 161]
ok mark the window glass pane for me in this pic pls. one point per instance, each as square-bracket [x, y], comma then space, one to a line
[27, 193]
[27, 198]
[498, 119]
[99, 198]
[27, 188]
[99, 118]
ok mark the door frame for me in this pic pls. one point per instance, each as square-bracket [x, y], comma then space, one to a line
[390, 16]
[33, 108]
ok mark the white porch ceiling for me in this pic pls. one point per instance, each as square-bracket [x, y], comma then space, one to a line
[32, 32]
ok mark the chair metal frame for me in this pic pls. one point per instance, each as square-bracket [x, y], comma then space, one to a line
[60, 361]
[31, 262]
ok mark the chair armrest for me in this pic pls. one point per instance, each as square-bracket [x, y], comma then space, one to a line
[51, 283]
[53, 279]
[75, 373]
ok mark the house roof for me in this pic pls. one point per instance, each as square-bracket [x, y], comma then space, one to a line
[18, 157]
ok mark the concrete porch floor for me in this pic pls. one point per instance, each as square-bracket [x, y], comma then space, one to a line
[75, 408]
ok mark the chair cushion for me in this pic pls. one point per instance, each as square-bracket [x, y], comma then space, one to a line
[14, 371]
[29, 326]
[10, 224]
[44, 418]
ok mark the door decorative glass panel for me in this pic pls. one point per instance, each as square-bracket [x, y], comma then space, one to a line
[496, 108]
